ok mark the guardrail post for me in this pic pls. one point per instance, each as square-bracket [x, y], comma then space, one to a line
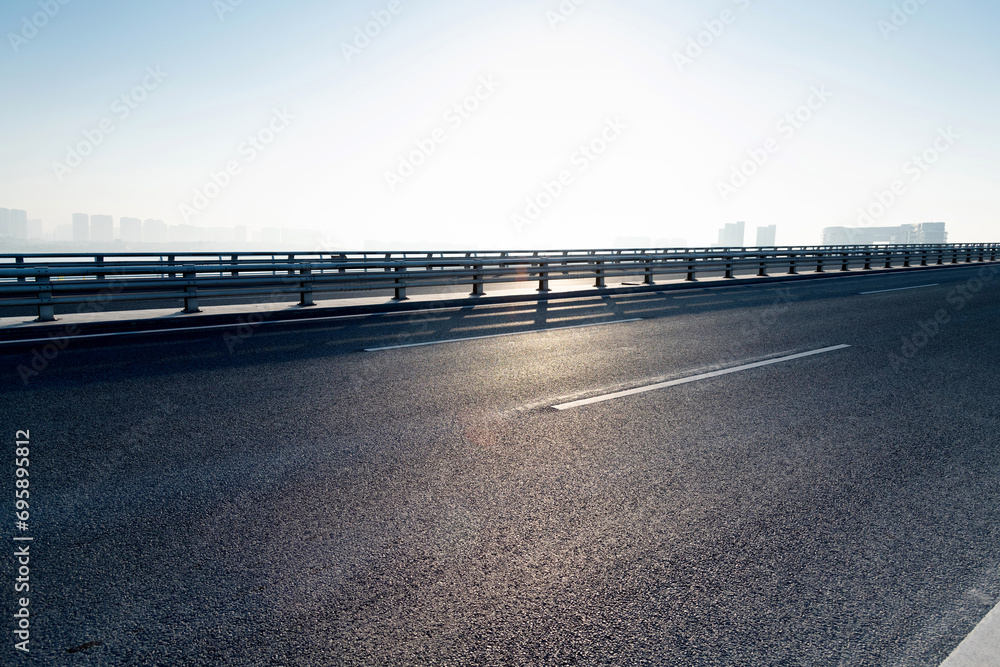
[847, 260]
[20, 260]
[648, 280]
[400, 289]
[906, 257]
[191, 294]
[46, 309]
[968, 257]
[762, 268]
[819, 262]
[599, 273]
[234, 259]
[543, 276]
[888, 259]
[791, 265]
[868, 260]
[170, 258]
[729, 267]
[306, 288]
[477, 281]
[923, 258]
[99, 259]
[690, 272]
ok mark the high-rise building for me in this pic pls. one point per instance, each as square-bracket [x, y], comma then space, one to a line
[18, 224]
[766, 235]
[154, 231]
[131, 230]
[102, 228]
[4, 222]
[81, 227]
[731, 236]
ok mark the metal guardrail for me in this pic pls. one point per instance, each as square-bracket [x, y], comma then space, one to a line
[46, 281]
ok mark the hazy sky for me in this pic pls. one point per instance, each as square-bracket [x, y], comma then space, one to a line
[514, 124]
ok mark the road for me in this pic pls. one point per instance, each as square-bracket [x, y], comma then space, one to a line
[278, 495]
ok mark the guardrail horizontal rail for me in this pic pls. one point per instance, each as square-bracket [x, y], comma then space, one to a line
[46, 281]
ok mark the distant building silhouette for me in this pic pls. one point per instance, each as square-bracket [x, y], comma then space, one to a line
[81, 227]
[36, 231]
[731, 236]
[766, 235]
[925, 232]
[4, 223]
[928, 232]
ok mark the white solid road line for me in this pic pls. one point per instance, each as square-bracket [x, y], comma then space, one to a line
[982, 647]
[899, 289]
[509, 333]
[693, 378]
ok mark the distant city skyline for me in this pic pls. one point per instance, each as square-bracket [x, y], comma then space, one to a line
[924, 232]
[101, 229]
[98, 229]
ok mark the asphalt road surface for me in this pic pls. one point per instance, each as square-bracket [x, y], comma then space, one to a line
[278, 495]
